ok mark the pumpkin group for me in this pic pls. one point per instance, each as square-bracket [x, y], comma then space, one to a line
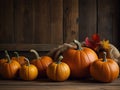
[79, 60]
[28, 71]
[10, 68]
[58, 71]
[41, 63]
[104, 70]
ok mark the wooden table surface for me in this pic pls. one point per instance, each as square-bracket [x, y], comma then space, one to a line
[46, 84]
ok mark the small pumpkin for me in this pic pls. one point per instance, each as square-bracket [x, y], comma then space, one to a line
[20, 59]
[41, 63]
[79, 60]
[104, 70]
[10, 68]
[3, 60]
[58, 71]
[28, 71]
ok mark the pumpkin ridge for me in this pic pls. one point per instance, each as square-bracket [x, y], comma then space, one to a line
[109, 73]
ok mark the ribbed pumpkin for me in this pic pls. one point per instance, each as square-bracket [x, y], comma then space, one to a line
[41, 63]
[28, 71]
[104, 70]
[10, 68]
[20, 59]
[58, 71]
[79, 60]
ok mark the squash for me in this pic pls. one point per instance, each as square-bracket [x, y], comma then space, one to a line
[41, 63]
[28, 72]
[20, 59]
[79, 60]
[58, 71]
[10, 68]
[3, 60]
[104, 70]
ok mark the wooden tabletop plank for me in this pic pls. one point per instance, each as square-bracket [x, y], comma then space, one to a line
[46, 84]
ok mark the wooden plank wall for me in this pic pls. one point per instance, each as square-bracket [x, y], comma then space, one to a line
[44, 24]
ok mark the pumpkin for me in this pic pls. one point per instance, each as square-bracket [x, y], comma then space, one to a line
[104, 70]
[9, 68]
[28, 71]
[79, 60]
[3, 60]
[20, 59]
[41, 63]
[58, 71]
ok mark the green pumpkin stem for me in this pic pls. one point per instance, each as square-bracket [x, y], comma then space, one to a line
[79, 47]
[36, 53]
[7, 55]
[28, 62]
[17, 55]
[59, 59]
[104, 57]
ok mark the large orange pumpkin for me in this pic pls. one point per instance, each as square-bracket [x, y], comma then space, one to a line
[28, 71]
[10, 68]
[20, 59]
[79, 60]
[104, 70]
[58, 71]
[41, 63]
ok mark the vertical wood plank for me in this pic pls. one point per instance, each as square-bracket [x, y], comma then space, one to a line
[6, 21]
[88, 18]
[56, 21]
[42, 22]
[105, 25]
[116, 23]
[70, 25]
[24, 23]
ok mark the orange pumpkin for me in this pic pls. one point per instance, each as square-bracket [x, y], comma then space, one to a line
[104, 70]
[58, 71]
[20, 59]
[41, 63]
[79, 60]
[28, 72]
[9, 68]
[1, 62]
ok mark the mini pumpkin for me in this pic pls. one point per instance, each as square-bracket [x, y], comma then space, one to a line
[104, 70]
[79, 60]
[10, 68]
[20, 59]
[58, 71]
[3, 60]
[41, 63]
[28, 71]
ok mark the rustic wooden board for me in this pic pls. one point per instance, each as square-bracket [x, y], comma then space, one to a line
[70, 16]
[88, 18]
[66, 85]
[6, 22]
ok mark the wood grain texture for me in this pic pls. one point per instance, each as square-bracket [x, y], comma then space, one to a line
[6, 22]
[70, 25]
[67, 85]
[105, 17]
[88, 18]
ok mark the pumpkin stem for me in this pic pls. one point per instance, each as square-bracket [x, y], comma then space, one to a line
[36, 53]
[104, 57]
[28, 62]
[79, 47]
[7, 55]
[17, 55]
[59, 59]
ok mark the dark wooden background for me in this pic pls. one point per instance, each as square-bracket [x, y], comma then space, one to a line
[45, 24]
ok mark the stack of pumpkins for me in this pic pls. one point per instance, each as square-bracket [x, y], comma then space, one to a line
[75, 63]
